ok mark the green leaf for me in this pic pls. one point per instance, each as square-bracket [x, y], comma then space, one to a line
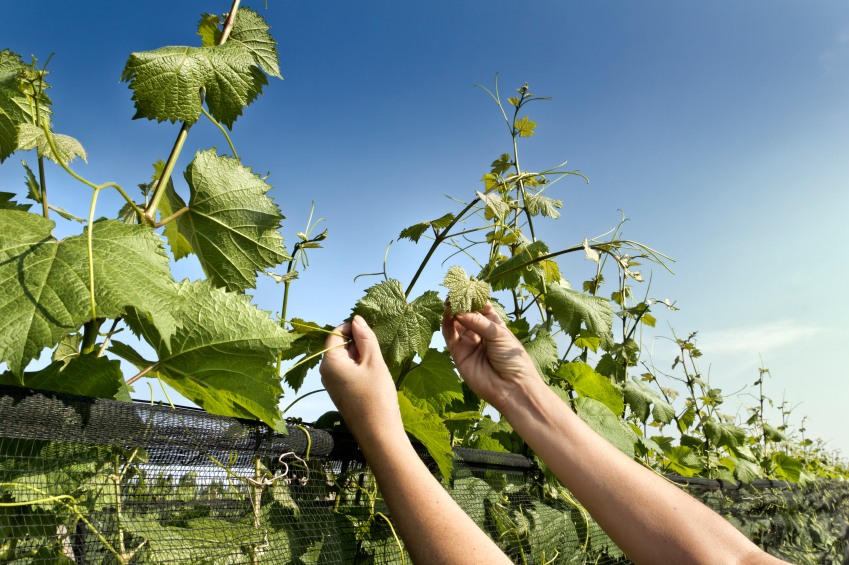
[433, 384]
[532, 273]
[486, 443]
[46, 282]
[85, 375]
[413, 233]
[465, 294]
[587, 382]
[6, 203]
[208, 29]
[684, 461]
[251, 31]
[787, 467]
[500, 431]
[724, 434]
[231, 224]
[499, 309]
[570, 308]
[640, 397]
[543, 352]
[34, 193]
[68, 348]
[605, 423]
[430, 431]
[747, 471]
[15, 108]
[587, 340]
[610, 368]
[32, 137]
[686, 420]
[168, 205]
[773, 434]
[402, 329]
[501, 165]
[167, 82]
[542, 204]
[495, 205]
[525, 127]
[310, 342]
[490, 181]
[221, 356]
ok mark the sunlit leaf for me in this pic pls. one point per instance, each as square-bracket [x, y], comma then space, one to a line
[433, 384]
[605, 423]
[430, 431]
[525, 127]
[587, 382]
[465, 294]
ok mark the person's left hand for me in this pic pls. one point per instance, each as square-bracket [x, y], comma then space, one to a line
[359, 383]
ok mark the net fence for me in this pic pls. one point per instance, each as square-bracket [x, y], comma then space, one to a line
[93, 481]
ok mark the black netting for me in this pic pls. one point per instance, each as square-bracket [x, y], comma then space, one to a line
[103, 482]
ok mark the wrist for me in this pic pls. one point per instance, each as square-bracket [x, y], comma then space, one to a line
[528, 401]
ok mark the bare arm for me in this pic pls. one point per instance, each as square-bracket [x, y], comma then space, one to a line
[434, 528]
[651, 520]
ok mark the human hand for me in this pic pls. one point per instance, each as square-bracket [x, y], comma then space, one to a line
[359, 383]
[489, 357]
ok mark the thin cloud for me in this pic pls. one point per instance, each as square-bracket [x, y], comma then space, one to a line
[755, 339]
[835, 59]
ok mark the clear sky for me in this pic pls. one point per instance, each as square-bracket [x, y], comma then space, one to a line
[721, 129]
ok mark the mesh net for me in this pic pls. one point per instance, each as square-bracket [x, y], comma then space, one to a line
[97, 481]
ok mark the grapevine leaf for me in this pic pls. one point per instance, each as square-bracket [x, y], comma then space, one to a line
[542, 204]
[747, 471]
[570, 308]
[6, 203]
[686, 420]
[605, 423]
[724, 434]
[180, 246]
[499, 309]
[500, 431]
[308, 342]
[501, 165]
[610, 368]
[773, 434]
[127, 353]
[543, 353]
[640, 397]
[495, 205]
[414, 232]
[531, 274]
[68, 348]
[525, 127]
[85, 375]
[251, 31]
[15, 107]
[433, 384]
[587, 340]
[465, 294]
[290, 276]
[428, 429]
[487, 443]
[231, 224]
[32, 137]
[34, 193]
[167, 82]
[402, 329]
[208, 30]
[45, 282]
[587, 382]
[490, 181]
[684, 461]
[221, 356]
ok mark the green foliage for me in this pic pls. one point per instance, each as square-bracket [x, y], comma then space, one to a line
[433, 384]
[33, 137]
[231, 224]
[402, 329]
[49, 296]
[17, 103]
[220, 355]
[571, 308]
[605, 423]
[430, 431]
[86, 375]
[465, 294]
[415, 232]
[587, 382]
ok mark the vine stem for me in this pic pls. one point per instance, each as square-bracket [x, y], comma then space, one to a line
[436, 241]
[108, 337]
[224, 131]
[45, 209]
[90, 229]
[229, 22]
[302, 397]
[172, 217]
[141, 373]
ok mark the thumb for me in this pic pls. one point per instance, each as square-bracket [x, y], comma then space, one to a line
[478, 323]
[364, 338]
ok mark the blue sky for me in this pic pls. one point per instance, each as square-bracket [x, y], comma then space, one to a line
[721, 129]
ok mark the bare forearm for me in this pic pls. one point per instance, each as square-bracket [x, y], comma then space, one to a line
[652, 520]
[434, 528]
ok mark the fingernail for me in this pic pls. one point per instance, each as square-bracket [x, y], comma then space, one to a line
[359, 320]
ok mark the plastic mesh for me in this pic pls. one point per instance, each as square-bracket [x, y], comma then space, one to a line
[97, 481]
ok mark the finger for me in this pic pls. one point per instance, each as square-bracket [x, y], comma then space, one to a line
[334, 340]
[449, 331]
[364, 339]
[490, 313]
[479, 324]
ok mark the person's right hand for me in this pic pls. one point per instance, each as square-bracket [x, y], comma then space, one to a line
[489, 357]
